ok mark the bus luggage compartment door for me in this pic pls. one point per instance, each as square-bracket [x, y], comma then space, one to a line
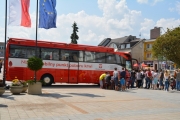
[73, 72]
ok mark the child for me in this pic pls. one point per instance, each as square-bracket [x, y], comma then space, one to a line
[155, 80]
[172, 82]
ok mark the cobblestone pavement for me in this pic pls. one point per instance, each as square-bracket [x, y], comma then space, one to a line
[88, 102]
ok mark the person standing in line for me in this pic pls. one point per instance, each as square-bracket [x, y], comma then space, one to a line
[128, 79]
[115, 75]
[101, 78]
[178, 81]
[122, 79]
[148, 78]
[138, 78]
[142, 77]
[133, 77]
[155, 79]
[107, 80]
[161, 77]
[151, 78]
[175, 75]
[172, 82]
[166, 77]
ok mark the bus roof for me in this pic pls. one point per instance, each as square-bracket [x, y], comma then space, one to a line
[49, 44]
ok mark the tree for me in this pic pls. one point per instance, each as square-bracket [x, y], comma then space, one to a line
[35, 64]
[167, 45]
[74, 37]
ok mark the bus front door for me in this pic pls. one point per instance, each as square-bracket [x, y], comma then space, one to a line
[73, 72]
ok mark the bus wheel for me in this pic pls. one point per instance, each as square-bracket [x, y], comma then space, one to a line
[47, 79]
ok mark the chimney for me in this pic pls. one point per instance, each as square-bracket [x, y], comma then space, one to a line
[154, 33]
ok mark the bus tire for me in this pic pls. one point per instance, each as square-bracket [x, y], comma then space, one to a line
[47, 79]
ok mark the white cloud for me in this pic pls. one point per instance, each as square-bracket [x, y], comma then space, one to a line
[146, 25]
[168, 23]
[178, 7]
[156, 1]
[117, 21]
[153, 2]
[142, 1]
[149, 24]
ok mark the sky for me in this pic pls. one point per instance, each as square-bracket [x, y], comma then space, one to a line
[98, 19]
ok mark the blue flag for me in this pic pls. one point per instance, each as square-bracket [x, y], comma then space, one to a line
[47, 14]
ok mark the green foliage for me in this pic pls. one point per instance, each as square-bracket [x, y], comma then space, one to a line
[74, 37]
[31, 82]
[167, 45]
[35, 63]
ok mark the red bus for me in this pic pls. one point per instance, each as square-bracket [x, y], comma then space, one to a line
[63, 63]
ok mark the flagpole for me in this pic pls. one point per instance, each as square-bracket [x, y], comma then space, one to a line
[4, 70]
[36, 34]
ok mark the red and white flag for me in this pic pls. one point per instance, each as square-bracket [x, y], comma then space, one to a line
[19, 13]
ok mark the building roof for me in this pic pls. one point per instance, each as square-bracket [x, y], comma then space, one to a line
[149, 40]
[118, 40]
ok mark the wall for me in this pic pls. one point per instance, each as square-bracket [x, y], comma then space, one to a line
[148, 50]
[137, 51]
[154, 33]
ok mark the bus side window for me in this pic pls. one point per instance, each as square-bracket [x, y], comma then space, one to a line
[75, 58]
[64, 58]
[47, 57]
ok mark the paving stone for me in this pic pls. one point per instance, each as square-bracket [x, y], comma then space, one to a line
[91, 103]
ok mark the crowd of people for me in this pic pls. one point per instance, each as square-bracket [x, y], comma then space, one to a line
[147, 79]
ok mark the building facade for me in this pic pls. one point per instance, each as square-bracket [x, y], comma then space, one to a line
[124, 44]
[148, 58]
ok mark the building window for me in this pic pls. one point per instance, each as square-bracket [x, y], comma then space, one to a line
[122, 46]
[127, 45]
[2, 47]
[149, 55]
[106, 42]
[149, 45]
[113, 45]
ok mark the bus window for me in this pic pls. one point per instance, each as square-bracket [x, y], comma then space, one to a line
[22, 51]
[49, 54]
[70, 55]
[31, 52]
[89, 56]
[73, 56]
[118, 59]
[100, 57]
[81, 56]
[110, 58]
[123, 60]
[64, 56]
[128, 65]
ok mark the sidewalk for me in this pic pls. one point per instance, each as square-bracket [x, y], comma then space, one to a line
[91, 103]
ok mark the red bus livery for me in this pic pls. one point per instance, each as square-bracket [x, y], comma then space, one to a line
[63, 63]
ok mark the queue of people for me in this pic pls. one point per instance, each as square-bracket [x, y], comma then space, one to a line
[148, 79]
